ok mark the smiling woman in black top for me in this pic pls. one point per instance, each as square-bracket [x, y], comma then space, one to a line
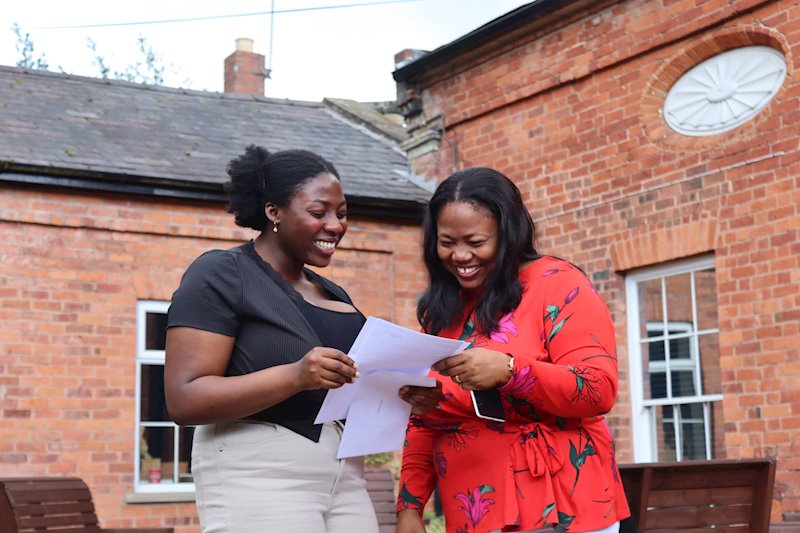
[255, 340]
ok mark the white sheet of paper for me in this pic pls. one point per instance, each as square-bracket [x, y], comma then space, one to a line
[378, 417]
[382, 345]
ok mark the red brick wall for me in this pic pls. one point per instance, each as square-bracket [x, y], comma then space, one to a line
[72, 267]
[571, 112]
[244, 73]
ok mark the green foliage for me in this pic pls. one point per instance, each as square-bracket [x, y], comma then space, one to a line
[25, 49]
[378, 460]
[148, 69]
[435, 524]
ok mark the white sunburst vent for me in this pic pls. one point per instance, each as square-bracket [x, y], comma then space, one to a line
[724, 91]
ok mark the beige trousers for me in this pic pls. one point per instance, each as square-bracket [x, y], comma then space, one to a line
[253, 477]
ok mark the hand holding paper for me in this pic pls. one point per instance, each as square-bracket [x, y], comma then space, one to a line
[389, 356]
[378, 416]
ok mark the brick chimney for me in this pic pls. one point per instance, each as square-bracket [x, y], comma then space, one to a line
[244, 70]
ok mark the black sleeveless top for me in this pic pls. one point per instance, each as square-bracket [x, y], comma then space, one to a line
[336, 329]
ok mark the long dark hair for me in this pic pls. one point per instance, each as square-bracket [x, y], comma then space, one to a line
[491, 191]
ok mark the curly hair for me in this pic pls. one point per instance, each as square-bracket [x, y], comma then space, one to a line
[490, 191]
[258, 177]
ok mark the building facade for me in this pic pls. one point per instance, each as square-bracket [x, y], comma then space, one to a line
[656, 146]
[108, 191]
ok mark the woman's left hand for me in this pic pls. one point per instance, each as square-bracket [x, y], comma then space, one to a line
[476, 369]
[422, 399]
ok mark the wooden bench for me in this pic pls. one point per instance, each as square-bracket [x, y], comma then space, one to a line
[716, 496]
[33, 505]
[380, 486]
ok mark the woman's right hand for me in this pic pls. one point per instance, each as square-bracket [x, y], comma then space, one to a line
[409, 521]
[325, 368]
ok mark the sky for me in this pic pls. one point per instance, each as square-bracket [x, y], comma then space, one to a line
[320, 48]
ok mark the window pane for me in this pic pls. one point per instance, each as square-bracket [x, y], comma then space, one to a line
[653, 365]
[709, 359]
[693, 431]
[682, 383]
[185, 434]
[679, 348]
[677, 362]
[153, 404]
[658, 385]
[651, 307]
[156, 453]
[665, 433]
[705, 286]
[655, 349]
[679, 298]
[155, 331]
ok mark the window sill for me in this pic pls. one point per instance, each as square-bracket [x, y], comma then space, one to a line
[159, 497]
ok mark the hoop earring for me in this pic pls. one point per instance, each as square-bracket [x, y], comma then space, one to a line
[275, 228]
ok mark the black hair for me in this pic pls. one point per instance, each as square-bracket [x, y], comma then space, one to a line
[258, 177]
[488, 190]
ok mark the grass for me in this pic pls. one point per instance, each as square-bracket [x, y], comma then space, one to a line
[435, 523]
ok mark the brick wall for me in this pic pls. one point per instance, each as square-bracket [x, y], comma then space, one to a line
[244, 70]
[571, 112]
[72, 267]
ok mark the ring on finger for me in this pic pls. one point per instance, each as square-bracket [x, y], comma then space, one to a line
[457, 379]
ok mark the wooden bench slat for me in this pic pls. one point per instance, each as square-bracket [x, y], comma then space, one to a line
[711, 478]
[36, 495]
[697, 497]
[737, 529]
[689, 517]
[384, 507]
[52, 521]
[61, 507]
[380, 487]
[36, 505]
[716, 496]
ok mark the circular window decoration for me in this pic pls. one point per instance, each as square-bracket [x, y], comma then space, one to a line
[724, 91]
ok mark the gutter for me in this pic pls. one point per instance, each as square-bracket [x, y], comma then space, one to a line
[179, 190]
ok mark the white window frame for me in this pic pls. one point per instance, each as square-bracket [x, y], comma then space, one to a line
[645, 444]
[151, 357]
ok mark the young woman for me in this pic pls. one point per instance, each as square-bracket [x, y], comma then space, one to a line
[254, 341]
[542, 348]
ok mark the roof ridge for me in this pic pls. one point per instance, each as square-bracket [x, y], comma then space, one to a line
[65, 76]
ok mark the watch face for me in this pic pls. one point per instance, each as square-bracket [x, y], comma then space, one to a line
[488, 405]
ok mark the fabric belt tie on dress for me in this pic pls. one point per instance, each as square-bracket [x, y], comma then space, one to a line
[534, 450]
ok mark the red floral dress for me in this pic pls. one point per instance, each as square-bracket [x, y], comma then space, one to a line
[552, 462]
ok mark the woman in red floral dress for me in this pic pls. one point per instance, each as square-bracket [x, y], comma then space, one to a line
[542, 337]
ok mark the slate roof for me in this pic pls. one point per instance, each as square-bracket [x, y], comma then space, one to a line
[387, 124]
[112, 132]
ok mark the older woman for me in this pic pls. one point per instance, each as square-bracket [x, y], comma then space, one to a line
[542, 351]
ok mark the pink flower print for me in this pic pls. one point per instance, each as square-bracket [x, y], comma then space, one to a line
[520, 383]
[572, 295]
[550, 272]
[591, 286]
[504, 327]
[474, 505]
[441, 464]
